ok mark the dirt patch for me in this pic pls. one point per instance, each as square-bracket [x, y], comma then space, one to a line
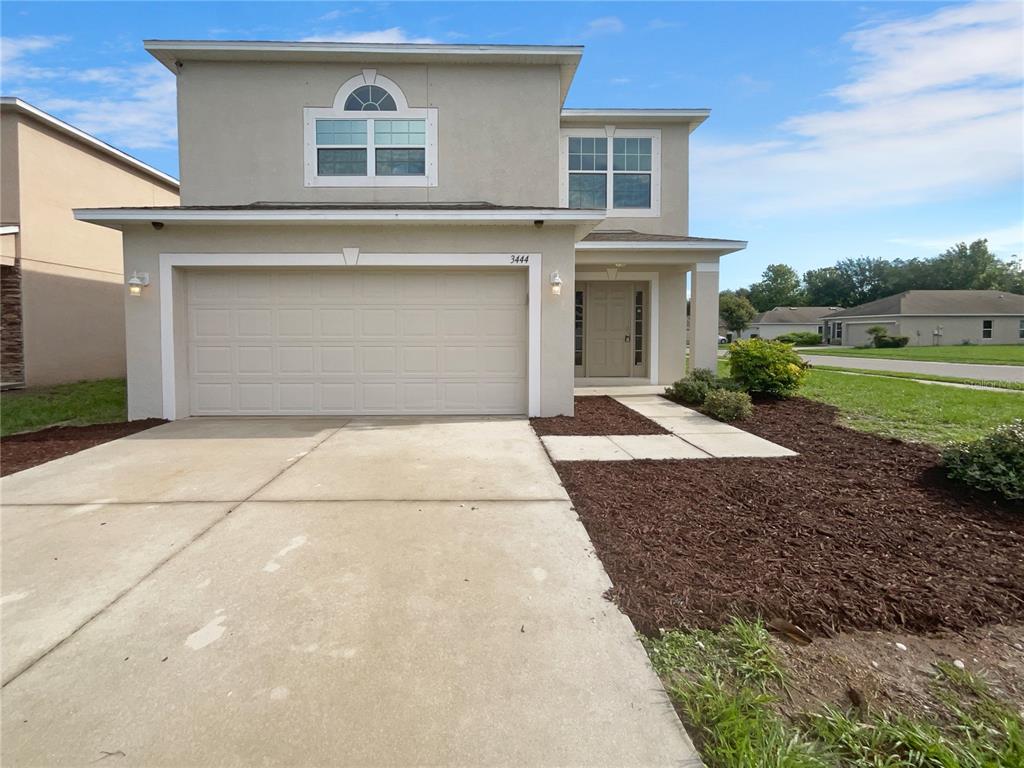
[19, 452]
[894, 678]
[858, 532]
[598, 415]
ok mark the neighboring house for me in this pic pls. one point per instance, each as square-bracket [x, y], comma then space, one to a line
[62, 297]
[782, 320]
[933, 318]
[387, 229]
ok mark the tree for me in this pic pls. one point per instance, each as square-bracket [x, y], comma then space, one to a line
[828, 287]
[779, 286]
[736, 312]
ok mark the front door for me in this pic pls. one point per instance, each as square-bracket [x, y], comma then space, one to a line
[609, 311]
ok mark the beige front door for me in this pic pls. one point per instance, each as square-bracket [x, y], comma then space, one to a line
[609, 311]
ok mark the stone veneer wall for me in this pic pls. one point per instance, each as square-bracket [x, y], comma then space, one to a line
[12, 358]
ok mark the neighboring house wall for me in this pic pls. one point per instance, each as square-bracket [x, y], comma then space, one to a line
[773, 330]
[72, 286]
[240, 129]
[920, 330]
[143, 246]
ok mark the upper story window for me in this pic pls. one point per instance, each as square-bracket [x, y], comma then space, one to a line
[346, 147]
[612, 168]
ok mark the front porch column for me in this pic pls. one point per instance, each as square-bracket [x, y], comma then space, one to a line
[704, 315]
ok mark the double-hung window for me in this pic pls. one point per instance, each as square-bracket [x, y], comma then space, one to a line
[1020, 330]
[986, 329]
[612, 169]
[370, 137]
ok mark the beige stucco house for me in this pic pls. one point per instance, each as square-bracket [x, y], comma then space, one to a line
[933, 318]
[62, 297]
[782, 320]
[389, 229]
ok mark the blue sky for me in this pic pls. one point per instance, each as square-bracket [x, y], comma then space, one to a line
[837, 129]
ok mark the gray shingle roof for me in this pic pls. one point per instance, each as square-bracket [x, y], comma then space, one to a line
[940, 303]
[798, 315]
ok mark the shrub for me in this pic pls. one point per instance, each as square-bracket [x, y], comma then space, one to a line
[800, 338]
[726, 405]
[764, 366]
[880, 338]
[693, 389]
[992, 463]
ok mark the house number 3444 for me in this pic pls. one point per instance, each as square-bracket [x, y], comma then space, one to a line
[518, 258]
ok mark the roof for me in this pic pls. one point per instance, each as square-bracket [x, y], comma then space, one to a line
[693, 117]
[171, 52]
[629, 239]
[792, 315]
[24, 108]
[939, 303]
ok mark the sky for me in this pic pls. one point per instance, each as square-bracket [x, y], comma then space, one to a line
[837, 130]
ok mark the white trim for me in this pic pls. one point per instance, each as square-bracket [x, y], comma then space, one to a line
[662, 245]
[682, 115]
[654, 322]
[11, 230]
[611, 133]
[313, 215]
[427, 49]
[171, 261]
[706, 266]
[92, 141]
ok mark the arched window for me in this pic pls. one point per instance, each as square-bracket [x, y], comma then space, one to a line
[370, 98]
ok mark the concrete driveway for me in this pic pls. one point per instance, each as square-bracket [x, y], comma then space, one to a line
[314, 592]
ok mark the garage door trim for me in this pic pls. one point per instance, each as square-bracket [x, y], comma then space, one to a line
[350, 257]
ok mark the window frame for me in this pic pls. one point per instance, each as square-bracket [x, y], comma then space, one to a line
[611, 133]
[988, 330]
[1020, 330]
[310, 115]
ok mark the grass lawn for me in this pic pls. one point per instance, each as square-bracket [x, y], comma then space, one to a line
[78, 404]
[1015, 385]
[988, 354]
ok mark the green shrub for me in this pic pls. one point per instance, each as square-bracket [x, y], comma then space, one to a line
[800, 338]
[764, 366]
[880, 338]
[726, 405]
[992, 463]
[693, 389]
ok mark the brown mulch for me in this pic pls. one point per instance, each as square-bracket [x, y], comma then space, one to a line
[18, 452]
[858, 532]
[597, 415]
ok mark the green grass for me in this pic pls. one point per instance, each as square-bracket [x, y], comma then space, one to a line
[1015, 385]
[730, 685]
[78, 404]
[988, 354]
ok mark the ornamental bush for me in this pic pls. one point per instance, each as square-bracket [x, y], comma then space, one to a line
[800, 338]
[694, 388]
[992, 463]
[727, 405]
[880, 338]
[769, 367]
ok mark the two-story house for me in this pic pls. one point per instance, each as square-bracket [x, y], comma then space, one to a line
[409, 229]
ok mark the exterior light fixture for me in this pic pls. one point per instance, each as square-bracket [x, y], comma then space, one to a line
[137, 282]
[556, 283]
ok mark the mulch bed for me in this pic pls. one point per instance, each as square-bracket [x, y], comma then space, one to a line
[858, 532]
[18, 452]
[597, 415]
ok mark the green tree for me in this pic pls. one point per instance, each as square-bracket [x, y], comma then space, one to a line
[828, 287]
[779, 286]
[736, 312]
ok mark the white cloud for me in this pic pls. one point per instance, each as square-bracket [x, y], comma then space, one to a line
[13, 51]
[932, 111]
[620, 80]
[1003, 241]
[605, 25]
[339, 13]
[390, 35]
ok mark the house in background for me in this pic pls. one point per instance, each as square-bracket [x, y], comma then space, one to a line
[933, 318]
[410, 229]
[62, 297]
[782, 320]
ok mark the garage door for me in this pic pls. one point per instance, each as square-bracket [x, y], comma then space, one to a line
[350, 341]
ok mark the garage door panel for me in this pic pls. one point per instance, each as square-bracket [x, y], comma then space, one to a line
[346, 341]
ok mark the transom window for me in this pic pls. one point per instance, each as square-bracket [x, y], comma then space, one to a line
[347, 147]
[612, 169]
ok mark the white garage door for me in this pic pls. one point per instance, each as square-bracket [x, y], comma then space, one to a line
[350, 341]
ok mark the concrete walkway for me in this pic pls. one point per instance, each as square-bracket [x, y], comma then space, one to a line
[693, 436]
[314, 592]
[962, 370]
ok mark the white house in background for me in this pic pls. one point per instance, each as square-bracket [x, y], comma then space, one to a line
[933, 318]
[409, 229]
[782, 320]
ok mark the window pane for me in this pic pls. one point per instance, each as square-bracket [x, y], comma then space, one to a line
[631, 190]
[401, 162]
[578, 330]
[587, 153]
[341, 162]
[631, 154]
[369, 98]
[392, 132]
[341, 132]
[588, 190]
[638, 328]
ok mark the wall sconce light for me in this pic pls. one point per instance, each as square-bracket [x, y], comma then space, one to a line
[613, 272]
[137, 282]
[556, 283]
